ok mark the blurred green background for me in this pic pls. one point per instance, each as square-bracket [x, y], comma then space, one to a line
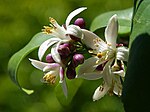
[19, 21]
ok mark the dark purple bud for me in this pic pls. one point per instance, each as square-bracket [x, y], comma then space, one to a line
[49, 58]
[80, 22]
[64, 50]
[70, 46]
[66, 45]
[78, 59]
[70, 73]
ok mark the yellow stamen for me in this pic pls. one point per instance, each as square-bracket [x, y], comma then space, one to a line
[115, 67]
[49, 78]
[47, 29]
[97, 61]
[90, 51]
[109, 44]
[99, 55]
[52, 20]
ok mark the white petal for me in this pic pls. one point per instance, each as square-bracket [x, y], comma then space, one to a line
[100, 92]
[91, 76]
[89, 37]
[61, 74]
[118, 86]
[74, 13]
[53, 72]
[51, 66]
[122, 53]
[120, 73]
[107, 74]
[38, 64]
[55, 54]
[45, 45]
[75, 31]
[111, 31]
[64, 87]
[88, 66]
[58, 30]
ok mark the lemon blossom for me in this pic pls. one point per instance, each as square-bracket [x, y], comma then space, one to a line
[51, 72]
[108, 62]
[61, 35]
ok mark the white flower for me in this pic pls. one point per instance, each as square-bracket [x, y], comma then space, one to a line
[108, 62]
[61, 35]
[51, 72]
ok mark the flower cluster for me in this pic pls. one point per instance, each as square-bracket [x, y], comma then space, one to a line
[67, 48]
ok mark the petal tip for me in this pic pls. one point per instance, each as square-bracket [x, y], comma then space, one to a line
[74, 13]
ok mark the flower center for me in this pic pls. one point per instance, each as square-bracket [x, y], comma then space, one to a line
[51, 28]
[48, 30]
[117, 66]
[101, 54]
[49, 78]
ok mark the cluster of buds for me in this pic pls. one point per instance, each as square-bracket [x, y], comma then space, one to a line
[70, 59]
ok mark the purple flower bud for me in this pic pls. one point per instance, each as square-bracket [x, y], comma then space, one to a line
[66, 45]
[78, 59]
[70, 73]
[49, 58]
[80, 22]
[64, 50]
[70, 46]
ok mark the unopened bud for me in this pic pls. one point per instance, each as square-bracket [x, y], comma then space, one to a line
[64, 50]
[49, 58]
[70, 73]
[70, 46]
[78, 59]
[80, 22]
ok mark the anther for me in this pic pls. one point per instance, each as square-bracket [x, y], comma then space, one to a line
[49, 78]
[99, 55]
[52, 20]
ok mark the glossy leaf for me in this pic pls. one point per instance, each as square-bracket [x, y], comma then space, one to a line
[73, 86]
[141, 20]
[16, 59]
[124, 18]
[136, 94]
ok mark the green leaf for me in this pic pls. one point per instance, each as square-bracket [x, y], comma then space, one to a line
[136, 94]
[141, 20]
[73, 86]
[124, 18]
[16, 59]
